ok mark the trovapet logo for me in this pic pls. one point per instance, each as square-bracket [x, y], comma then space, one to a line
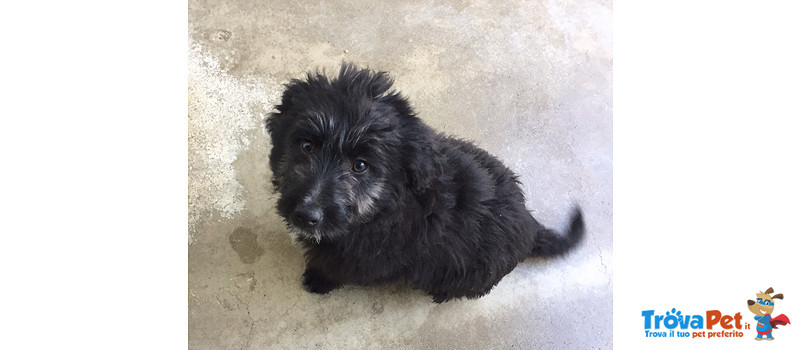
[673, 324]
[716, 324]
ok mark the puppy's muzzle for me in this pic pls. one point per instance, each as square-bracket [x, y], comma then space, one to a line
[307, 216]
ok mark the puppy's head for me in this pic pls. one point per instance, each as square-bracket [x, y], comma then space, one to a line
[344, 150]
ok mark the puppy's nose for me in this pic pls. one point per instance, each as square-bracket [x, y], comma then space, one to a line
[309, 217]
[750, 302]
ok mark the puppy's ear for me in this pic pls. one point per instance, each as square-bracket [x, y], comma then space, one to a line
[298, 94]
[273, 123]
[276, 121]
[421, 162]
[379, 84]
[363, 81]
[398, 104]
[276, 127]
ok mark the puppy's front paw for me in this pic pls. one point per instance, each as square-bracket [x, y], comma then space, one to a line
[315, 282]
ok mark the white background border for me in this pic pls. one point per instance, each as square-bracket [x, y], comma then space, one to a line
[706, 155]
[94, 176]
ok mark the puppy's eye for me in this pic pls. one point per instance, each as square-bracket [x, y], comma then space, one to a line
[359, 166]
[306, 146]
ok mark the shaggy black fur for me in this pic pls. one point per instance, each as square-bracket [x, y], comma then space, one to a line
[374, 195]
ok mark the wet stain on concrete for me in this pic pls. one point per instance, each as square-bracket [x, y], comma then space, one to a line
[245, 243]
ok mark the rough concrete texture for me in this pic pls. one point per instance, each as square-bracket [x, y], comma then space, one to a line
[529, 81]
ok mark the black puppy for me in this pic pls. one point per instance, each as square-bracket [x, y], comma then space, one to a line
[374, 195]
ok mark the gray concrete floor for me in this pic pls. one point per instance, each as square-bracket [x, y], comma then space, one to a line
[528, 81]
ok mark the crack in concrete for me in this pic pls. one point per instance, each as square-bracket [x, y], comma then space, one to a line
[290, 308]
[605, 268]
[252, 322]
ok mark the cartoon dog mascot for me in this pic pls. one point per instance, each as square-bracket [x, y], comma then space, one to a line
[762, 308]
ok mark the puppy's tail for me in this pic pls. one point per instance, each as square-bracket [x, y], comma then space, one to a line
[549, 243]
